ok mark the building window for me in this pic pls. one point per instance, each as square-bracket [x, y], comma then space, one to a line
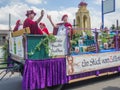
[2, 40]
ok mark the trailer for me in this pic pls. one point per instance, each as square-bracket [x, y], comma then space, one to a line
[47, 61]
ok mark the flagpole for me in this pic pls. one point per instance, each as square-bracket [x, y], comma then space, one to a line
[9, 25]
[9, 22]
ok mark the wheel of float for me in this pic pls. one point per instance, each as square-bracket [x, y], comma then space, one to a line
[21, 70]
[58, 87]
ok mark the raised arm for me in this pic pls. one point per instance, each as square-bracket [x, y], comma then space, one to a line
[49, 18]
[40, 18]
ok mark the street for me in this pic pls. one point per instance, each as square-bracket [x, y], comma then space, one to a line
[12, 83]
[103, 83]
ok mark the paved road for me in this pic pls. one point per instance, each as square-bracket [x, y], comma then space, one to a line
[13, 83]
[104, 83]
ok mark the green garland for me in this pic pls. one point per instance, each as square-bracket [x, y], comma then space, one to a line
[44, 42]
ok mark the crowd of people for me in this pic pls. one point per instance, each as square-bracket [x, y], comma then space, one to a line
[38, 27]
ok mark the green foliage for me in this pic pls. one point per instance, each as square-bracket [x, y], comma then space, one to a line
[75, 39]
[113, 27]
[43, 42]
[104, 37]
[5, 50]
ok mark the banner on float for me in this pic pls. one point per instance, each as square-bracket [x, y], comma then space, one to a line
[59, 47]
[11, 45]
[91, 62]
[16, 46]
[19, 46]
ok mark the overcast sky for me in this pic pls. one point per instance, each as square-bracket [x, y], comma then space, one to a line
[56, 8]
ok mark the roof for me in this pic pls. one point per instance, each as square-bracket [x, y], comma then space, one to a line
[82, 4]
[4, 31]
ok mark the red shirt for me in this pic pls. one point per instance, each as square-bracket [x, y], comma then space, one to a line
[16, 28]
[45, 30]
[33, 25]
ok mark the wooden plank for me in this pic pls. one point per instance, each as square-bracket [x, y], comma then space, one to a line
[110, 73]
[103, 74]
[81, 79]
[86, 78]
[60, 56]
[94, 76]
[21, 32]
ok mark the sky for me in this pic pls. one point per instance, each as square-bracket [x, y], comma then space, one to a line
[55, 8]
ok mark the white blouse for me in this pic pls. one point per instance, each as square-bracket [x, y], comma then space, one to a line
[61, 30]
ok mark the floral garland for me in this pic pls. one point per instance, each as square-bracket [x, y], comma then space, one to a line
[43, 42]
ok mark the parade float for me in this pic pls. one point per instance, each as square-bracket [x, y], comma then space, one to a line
[48, 61]
[56, 60]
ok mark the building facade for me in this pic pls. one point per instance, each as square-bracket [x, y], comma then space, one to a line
[3, 38]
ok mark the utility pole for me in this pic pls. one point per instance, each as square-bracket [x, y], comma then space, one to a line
[10, 25]
[117, 23]
[9, 22]
[74, 23]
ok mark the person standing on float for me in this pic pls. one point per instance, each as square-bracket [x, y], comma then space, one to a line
[65, 23]
[43, 28]
[18, 26]
[60, 29]
[33, 25]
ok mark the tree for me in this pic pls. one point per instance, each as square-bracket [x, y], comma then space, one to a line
[113, 27]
